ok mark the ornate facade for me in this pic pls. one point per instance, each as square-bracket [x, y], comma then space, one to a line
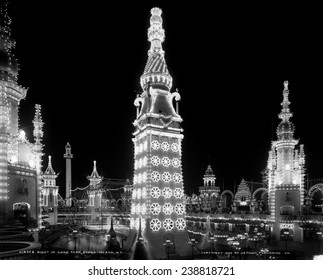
[20, 160]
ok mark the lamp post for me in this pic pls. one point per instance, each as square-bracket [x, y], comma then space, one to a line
[193, 242]
[319, 234]
[212, 240]
[167, 244]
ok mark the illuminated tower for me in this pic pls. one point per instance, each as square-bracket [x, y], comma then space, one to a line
[158, 196]
[50, 193]
[94, 193]
[38, 153]
[286, 175]
[209, 191]
[68, 186]
[4, 125]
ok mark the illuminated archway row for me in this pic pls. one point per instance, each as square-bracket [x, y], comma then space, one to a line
[168, 224]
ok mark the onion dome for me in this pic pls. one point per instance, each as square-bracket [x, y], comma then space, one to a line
[156, 72]
[285, 129]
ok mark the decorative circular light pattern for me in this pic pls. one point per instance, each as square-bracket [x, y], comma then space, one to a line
[167, 192]
[177, 177]
[155, 208]
[167, 208]
[180, 223]
[178, 193]
[155, 144]
[143, 209]
[155, 225]
[166, 177]
[176, 163]
[165, 146]
[134, 194]
[155, 160]
[174, 147]
[155, 192]
[179, 208]
[137, 211]
[166, 161]
[168, 224]
[138, 193]
[155, 176]
[144, 192]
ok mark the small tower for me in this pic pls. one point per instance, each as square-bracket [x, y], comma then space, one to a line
[94, 193]
[68, 186]
[50, 193]
[209, 192]
[286, 174]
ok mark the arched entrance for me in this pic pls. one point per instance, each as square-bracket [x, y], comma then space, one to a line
[316, 195]
[21, 210]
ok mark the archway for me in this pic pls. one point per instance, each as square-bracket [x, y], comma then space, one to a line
[21, 210]
[316, 194]
[227, 198]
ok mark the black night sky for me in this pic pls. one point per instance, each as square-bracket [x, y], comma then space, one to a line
[82, 62]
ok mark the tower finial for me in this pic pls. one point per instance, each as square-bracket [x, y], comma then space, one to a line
[285, 113]
[156, 33]
[156, 73]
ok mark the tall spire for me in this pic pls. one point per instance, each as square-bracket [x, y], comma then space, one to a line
[156, 72]
[285, 129]
[38, 124]
[285, 113]
[5, 19]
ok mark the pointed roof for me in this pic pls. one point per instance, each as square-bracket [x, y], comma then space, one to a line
[95, 174]
[50, 170]
[156, 71]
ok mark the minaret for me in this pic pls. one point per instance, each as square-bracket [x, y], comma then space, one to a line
[38, 151]
[50, 193]
[158, 193]
[286, 173]
[94, 193]
[68, 186]
[4, 135]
